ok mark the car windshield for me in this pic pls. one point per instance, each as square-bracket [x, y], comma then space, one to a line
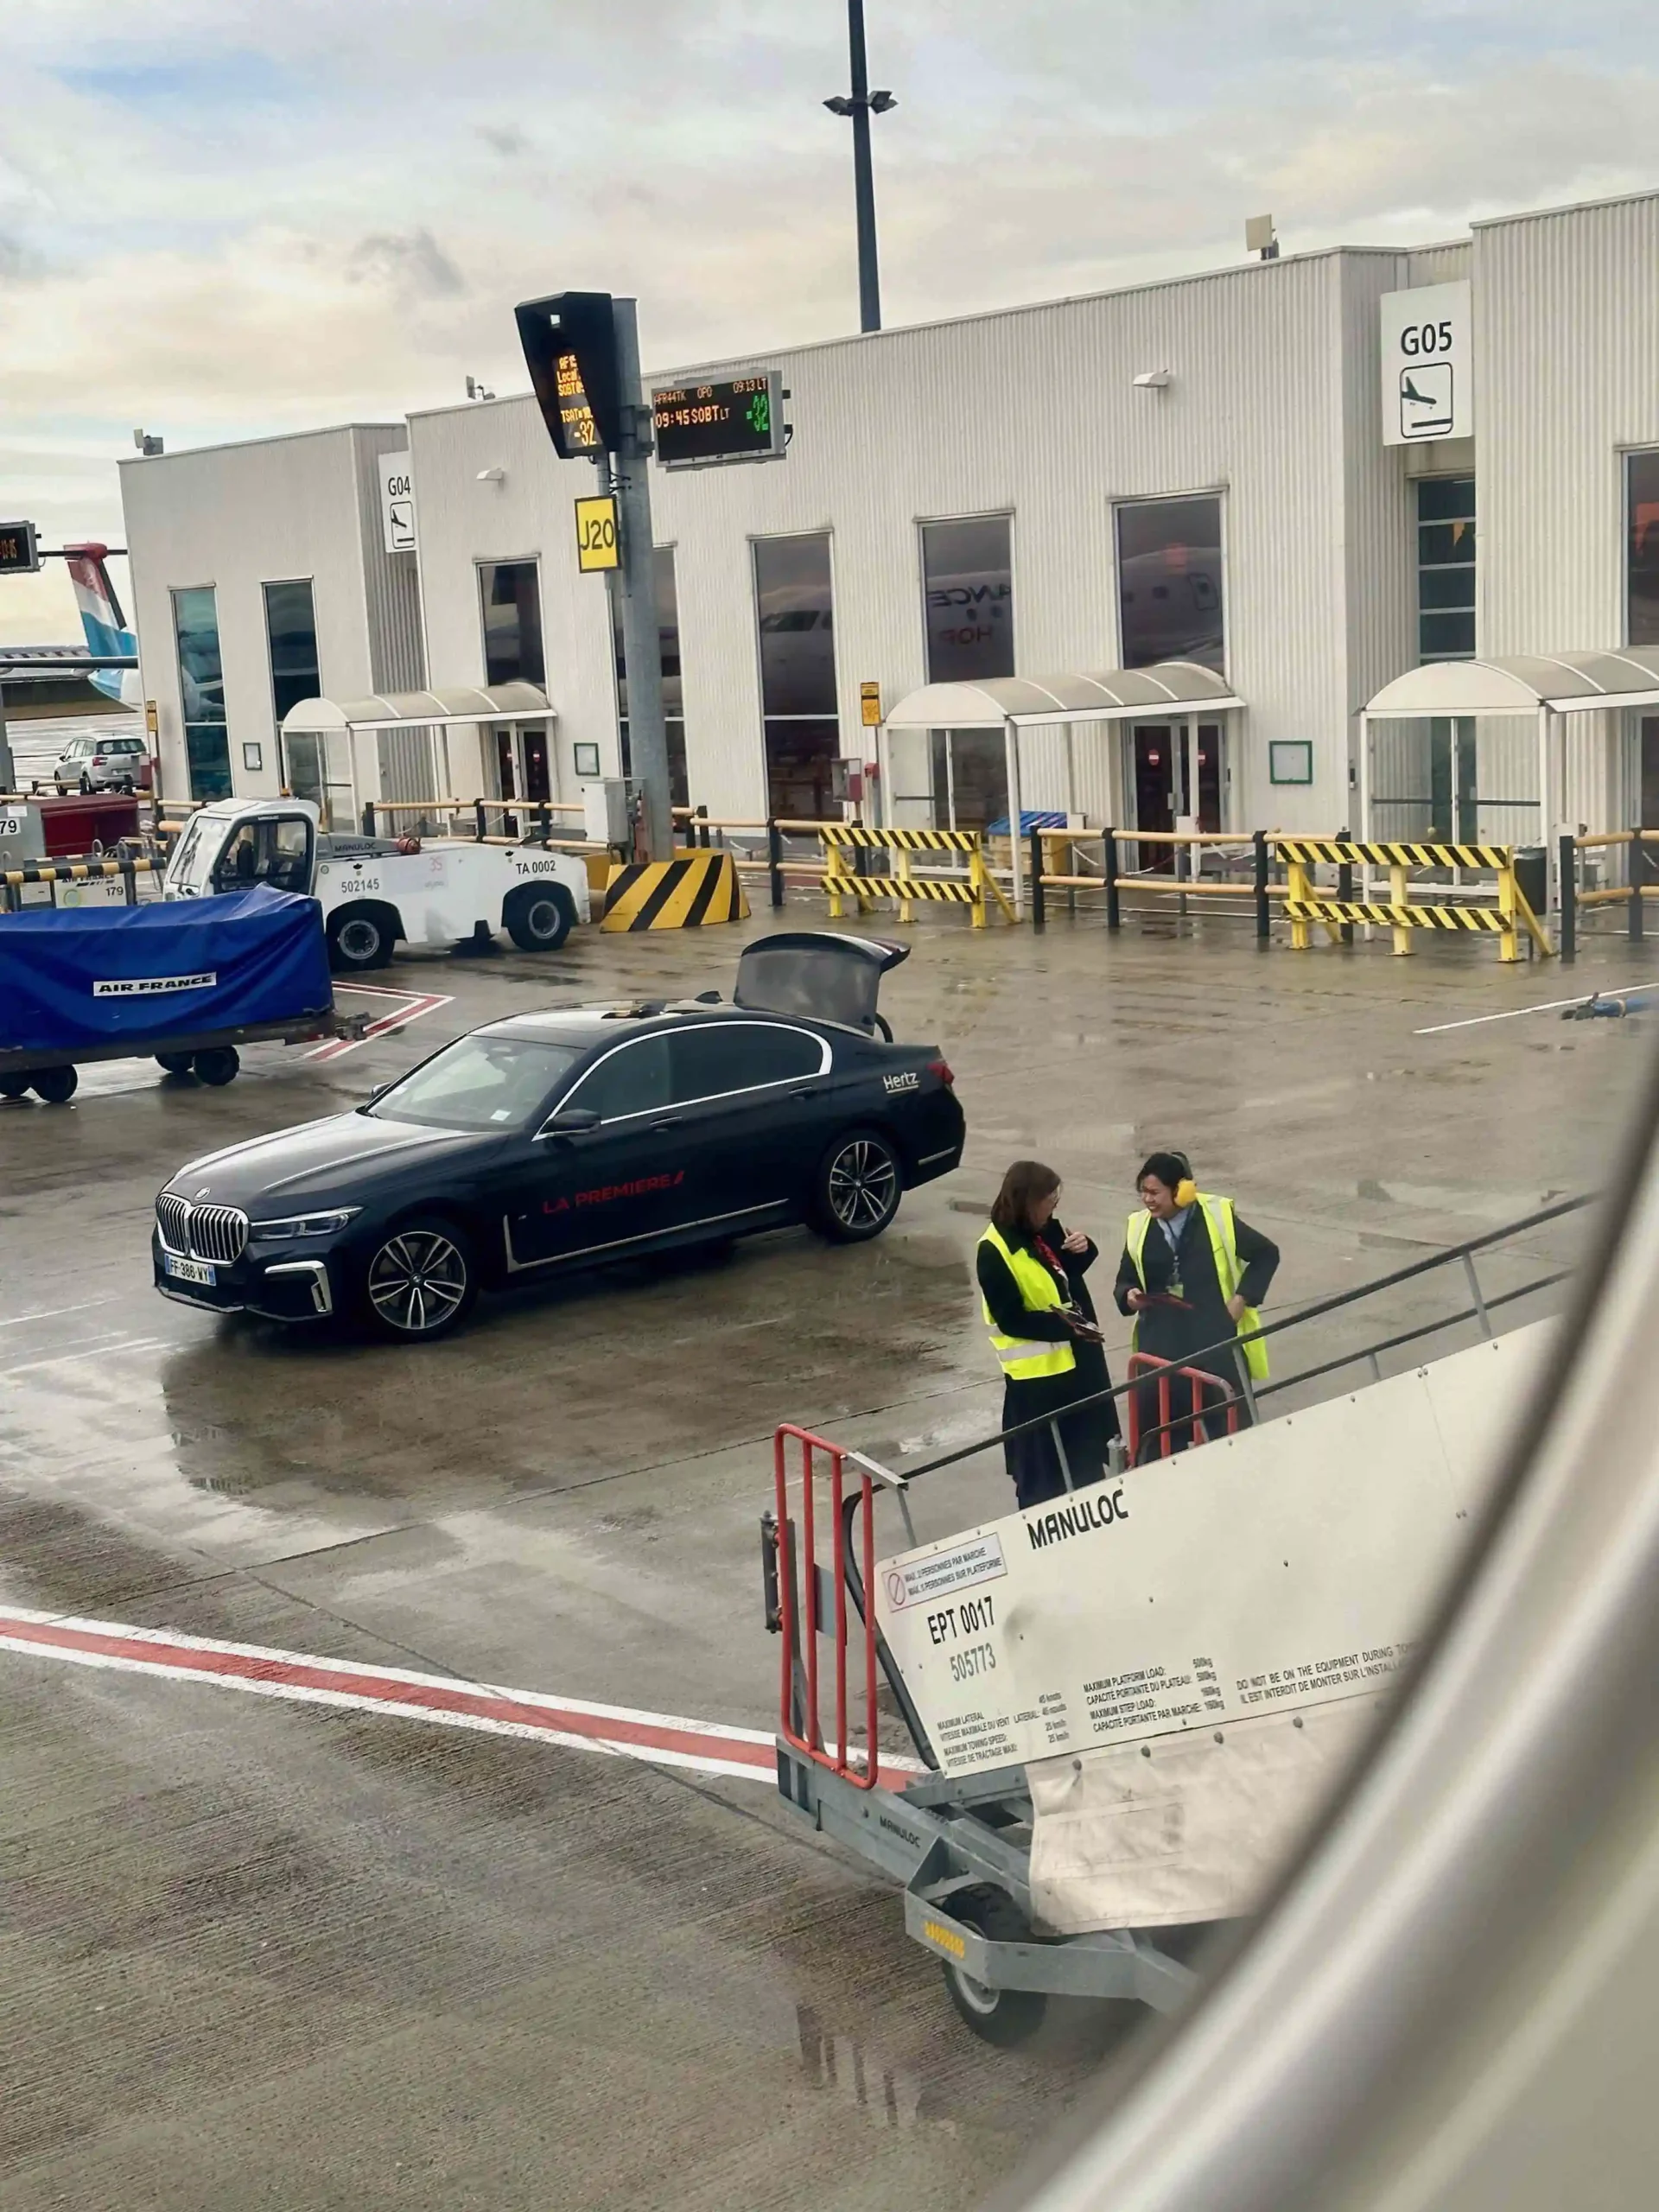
[189, 864]
[480, 1083]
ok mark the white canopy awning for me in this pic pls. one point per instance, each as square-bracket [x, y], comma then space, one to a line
[1170, 687]
[1523, 683]
[393, 710]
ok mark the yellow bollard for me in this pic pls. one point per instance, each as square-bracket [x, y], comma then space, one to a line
[901, 869]
[1399, 895]
[1298, 890]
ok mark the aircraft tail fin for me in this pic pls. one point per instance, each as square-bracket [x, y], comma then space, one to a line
[102, 619]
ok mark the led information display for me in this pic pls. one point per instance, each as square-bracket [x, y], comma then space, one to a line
[698, 425]
[570, 342]
[18, 554]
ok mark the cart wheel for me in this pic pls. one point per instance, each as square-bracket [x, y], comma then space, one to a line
[538, 916]
[55, 1085]
[1005, 2017]
[14, 1086]
[173, 1063]
[217, 1065]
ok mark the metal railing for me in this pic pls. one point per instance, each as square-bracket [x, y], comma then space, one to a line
[1247, 1400]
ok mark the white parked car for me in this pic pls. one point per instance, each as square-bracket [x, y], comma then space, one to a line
[103, 764]
[376, 891]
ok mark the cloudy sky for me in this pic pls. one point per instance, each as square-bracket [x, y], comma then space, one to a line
[224, 217]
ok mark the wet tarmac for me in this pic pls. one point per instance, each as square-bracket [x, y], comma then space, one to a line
[282, 1954]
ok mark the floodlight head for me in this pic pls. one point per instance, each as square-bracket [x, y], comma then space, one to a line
[839, 105]
[1154, 380]
[139, 440]
[1259, 237]
[880, 102]
[493, 475]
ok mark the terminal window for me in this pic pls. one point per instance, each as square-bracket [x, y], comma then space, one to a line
[968, 600]
[1169, 581]
[668, 640]
[291, 635]
[1641, 558]
[201, 691]
[1445, 567]
[512, 622]
[795, 618]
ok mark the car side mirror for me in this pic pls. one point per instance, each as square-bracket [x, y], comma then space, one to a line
[573, 1121]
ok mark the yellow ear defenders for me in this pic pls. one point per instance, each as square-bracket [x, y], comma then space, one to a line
[1185, 1192]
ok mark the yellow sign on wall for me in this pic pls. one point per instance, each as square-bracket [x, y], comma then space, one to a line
[869, 701]
[597, 544]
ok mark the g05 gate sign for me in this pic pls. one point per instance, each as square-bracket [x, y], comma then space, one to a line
[597, 544]
[1428, 379]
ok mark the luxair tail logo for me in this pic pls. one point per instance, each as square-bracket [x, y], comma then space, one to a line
[146, 987]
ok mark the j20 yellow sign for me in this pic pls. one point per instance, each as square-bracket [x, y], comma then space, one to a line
[597, 545]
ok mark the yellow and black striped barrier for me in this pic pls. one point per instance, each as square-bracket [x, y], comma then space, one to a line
[1352, 852]
[13, 880]
[976, 890]
[901, 841]
[943, 890]
[73, 871]
[686, 892]
[1410, 915]
[1399, 912]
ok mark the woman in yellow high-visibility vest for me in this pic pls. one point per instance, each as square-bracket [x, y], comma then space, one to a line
[1044, 1332]
[1193, 1274]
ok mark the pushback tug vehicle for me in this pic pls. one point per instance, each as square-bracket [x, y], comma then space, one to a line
[378, 891]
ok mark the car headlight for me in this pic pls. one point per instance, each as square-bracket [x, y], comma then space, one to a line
[301, 1224]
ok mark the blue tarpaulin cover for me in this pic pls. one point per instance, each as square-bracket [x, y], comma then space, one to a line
[78, 976]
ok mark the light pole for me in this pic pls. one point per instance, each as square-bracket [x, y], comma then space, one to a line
[862, 104]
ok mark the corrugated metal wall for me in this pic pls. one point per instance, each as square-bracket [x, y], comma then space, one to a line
[391, 596]
[1567, 340]
[237, 517]
[1033, 412]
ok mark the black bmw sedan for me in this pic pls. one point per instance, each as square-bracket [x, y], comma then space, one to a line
[562, 1139]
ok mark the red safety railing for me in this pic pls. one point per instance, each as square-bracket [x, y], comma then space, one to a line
[1142, 1366]
[799, 1608]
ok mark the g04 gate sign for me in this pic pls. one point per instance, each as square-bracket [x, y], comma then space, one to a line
[597, 544]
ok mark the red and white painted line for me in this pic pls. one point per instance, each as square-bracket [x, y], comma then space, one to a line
[664, 1738]
[412, 1006]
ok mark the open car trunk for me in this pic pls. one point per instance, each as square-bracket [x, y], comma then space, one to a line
[819, 973]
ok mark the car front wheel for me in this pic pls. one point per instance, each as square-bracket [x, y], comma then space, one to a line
[420, 1281]
[860, 1184]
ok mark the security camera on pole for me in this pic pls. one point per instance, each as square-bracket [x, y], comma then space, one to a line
[582, 351]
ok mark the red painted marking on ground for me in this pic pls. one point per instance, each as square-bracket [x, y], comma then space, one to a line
[612, 1727]
[414, 1007]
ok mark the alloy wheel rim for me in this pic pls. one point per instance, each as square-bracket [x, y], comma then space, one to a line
[360, 940]
[543, 918]
[861, 1184]
[417, 1282]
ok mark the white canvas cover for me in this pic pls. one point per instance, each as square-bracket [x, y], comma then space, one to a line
[1186, 1657]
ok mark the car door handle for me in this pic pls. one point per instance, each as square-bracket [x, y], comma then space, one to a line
[667, 1122]
[809, 1091]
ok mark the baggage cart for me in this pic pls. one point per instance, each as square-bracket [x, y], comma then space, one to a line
[956, 1845]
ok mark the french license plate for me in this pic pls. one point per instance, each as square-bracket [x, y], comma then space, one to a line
[188, 1270]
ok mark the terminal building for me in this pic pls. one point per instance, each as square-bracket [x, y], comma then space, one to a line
[1249, 505]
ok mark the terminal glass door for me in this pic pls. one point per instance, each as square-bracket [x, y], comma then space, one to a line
[1165, 774]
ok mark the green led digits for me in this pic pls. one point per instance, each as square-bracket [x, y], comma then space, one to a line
[757, 414]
